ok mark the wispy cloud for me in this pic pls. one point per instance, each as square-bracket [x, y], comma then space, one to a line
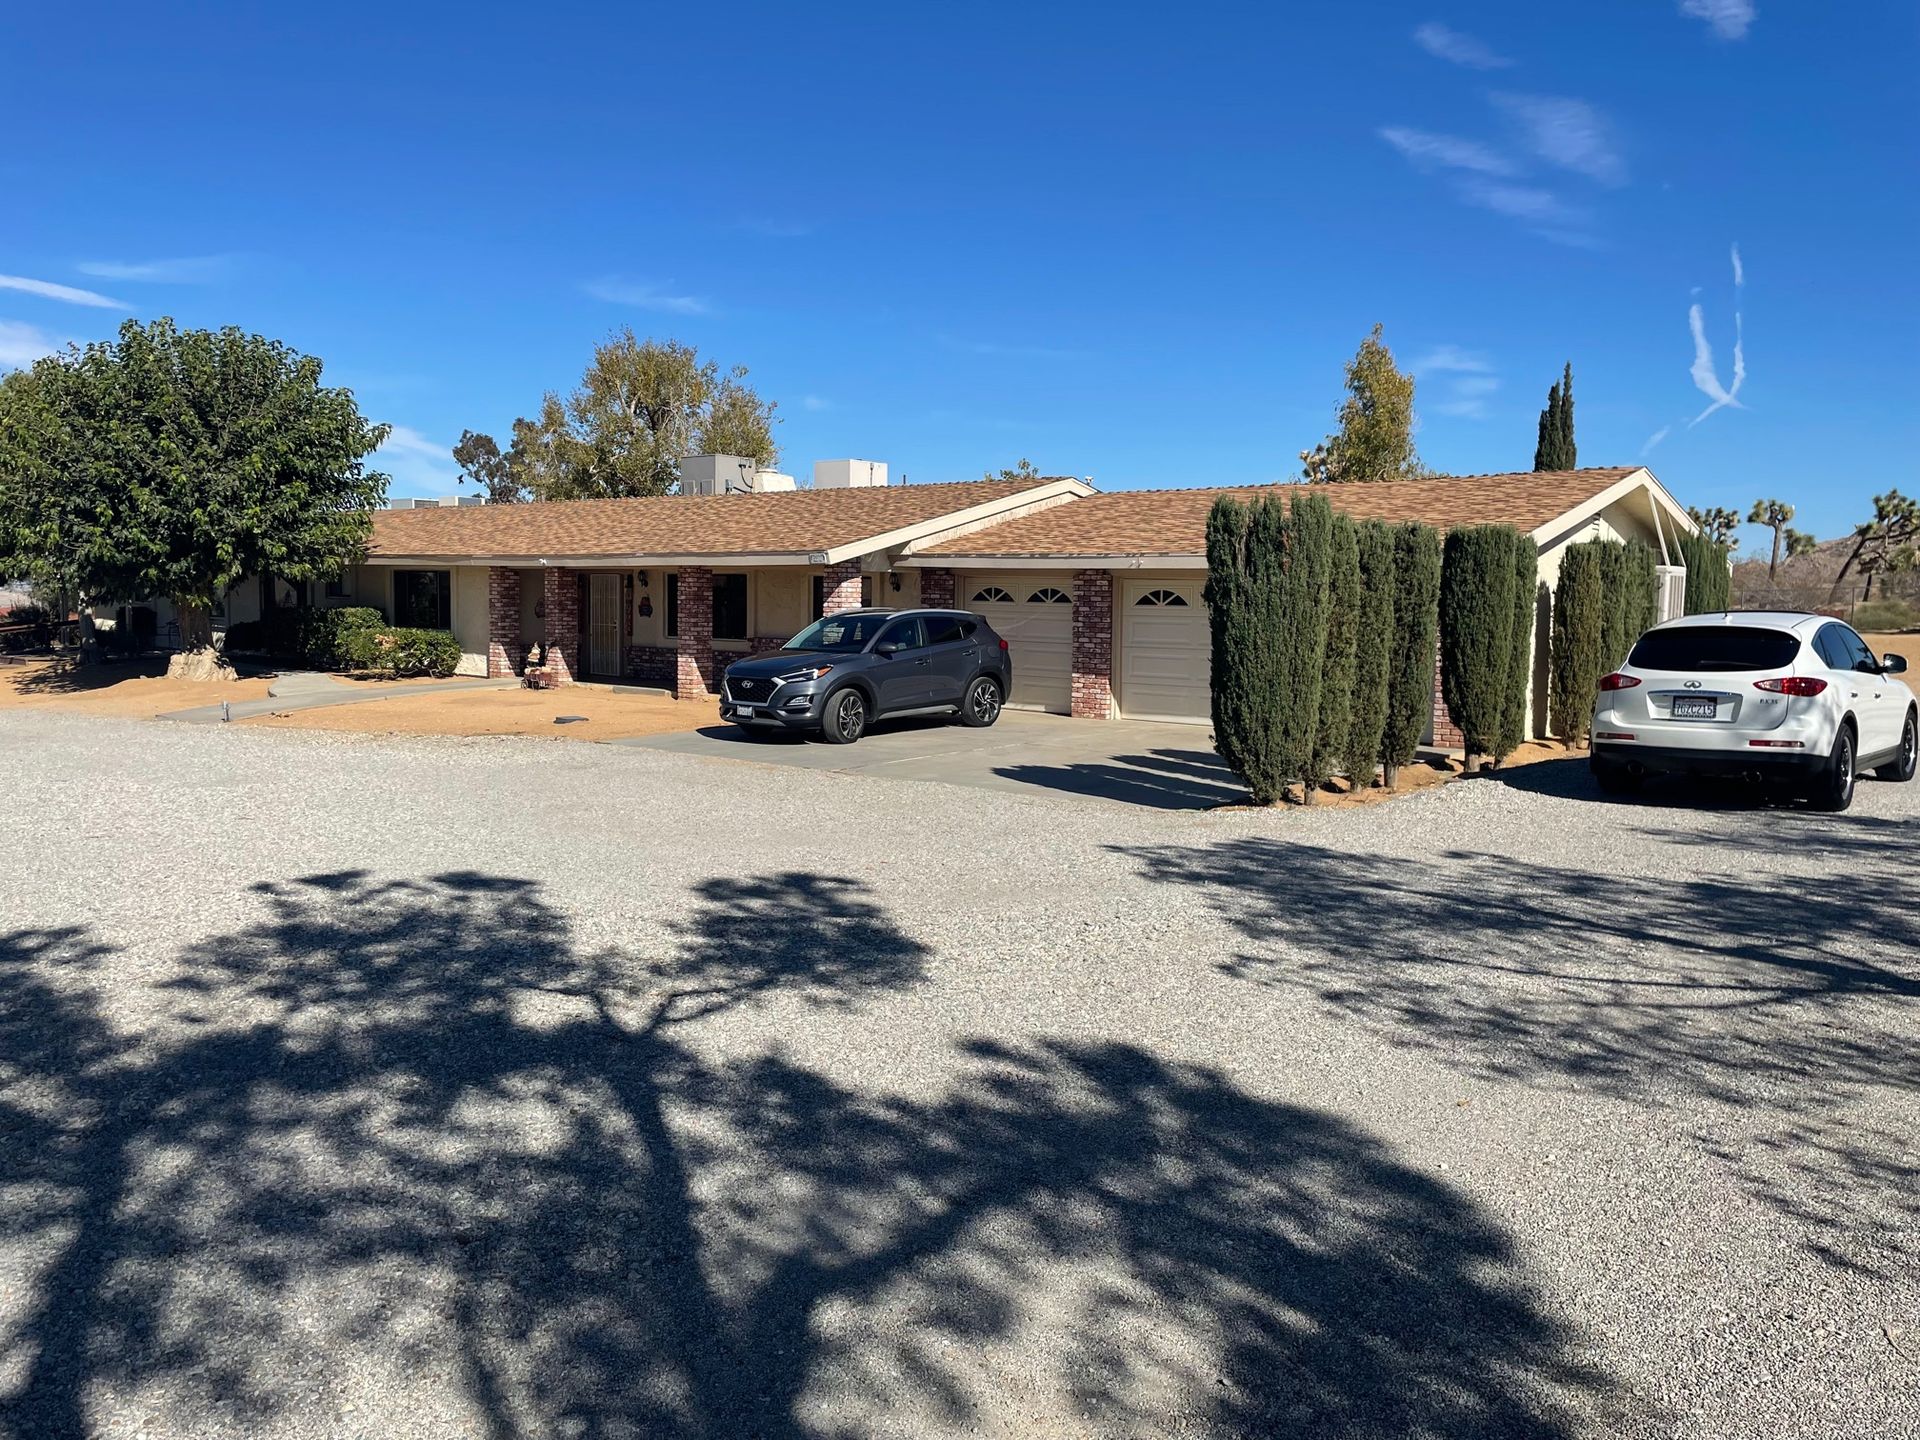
[48, 290]
[1466, 397]
[183, 270]
[1550, 216]
[1654, 439]
[645, 297]
[1432, 151]
[1464, 381]
[1569, 133]
[1706, 375]
[1003, 350]
[815, 402]
[1448, 44]
[1729, 19]
[1452, 357]
[21, 344]
[416, 463]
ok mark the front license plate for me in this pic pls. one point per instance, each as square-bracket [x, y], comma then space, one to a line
[1685, 709]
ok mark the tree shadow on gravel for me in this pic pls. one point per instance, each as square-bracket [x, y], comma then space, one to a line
[1750, 1003]
[401, 1158]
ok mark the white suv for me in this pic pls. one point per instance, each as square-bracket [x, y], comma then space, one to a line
[1773, 695]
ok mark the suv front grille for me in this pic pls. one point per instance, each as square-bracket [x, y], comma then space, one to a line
[749, 687]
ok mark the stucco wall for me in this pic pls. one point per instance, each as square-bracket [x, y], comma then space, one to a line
[470, 618]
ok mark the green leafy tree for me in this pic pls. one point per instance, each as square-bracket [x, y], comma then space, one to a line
[1335, 730]
[640, 408]
[1709, 575]
[482, 463]
[1246, 548]
[1574, 664]
[1416, 620]
[1787, 542]
[1023, 471]
[1477, 610]
[1375, 440]
[1555, 449]
[174, 462]
[1373, 652]
[1720, 525]
[1526, 583]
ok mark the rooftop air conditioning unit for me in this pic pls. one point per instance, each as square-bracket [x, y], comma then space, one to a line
[848, 474]
[716, 475]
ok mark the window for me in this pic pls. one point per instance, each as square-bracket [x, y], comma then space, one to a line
[1162, 597]
[423, 599]
[729, 607]
[943, 629]
[904, 633]
[1858, 656]
[1714, 647]
[337, 588]
[991, 595]
[1049, 596]
[673, 605]
[844, 634]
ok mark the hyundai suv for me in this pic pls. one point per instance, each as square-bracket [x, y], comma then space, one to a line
[844, 671]
[1770, 695]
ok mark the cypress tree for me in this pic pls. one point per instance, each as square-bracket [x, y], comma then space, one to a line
[1337, 672]
[1416, 621]
[1579, 618]
[1526, 581]
[1373, 652]
[1555, 450]
[1709, 581]
[1301, 619]
[1642, 580]
[1568, 454]
[1614, 619]
[1244, 649]
[1476, 633]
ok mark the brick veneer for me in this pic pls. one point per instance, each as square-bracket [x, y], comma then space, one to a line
[503, 621]
[1446, 734]
[560, 596]
[653, 664]
[840, 588]
[936, 589]
[1092, 644]
[693, 661]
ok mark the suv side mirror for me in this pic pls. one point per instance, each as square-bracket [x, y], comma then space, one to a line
[1891, 664]
[887, 647]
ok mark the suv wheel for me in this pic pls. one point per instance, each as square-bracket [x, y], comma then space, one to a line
[981, 707]
[845, 720]
[1902, 767]
[1834, 790]
[1614, 778]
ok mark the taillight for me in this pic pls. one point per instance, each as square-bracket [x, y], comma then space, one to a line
[1792, 685]
[1617, 681]
[1003, 642]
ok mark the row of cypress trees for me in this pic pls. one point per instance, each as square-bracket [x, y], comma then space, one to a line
[1488, 583]
[1323, 641]
[1709, 576]
[1607, 595]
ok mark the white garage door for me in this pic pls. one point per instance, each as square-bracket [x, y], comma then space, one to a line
[1034, 615]
[1164, 650]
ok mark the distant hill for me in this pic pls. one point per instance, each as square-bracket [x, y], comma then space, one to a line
[1806, 582]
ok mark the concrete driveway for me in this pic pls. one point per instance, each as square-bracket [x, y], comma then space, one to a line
[1131, 762]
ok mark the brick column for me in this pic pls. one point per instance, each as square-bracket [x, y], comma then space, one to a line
[693, 662]
[1093, 644]
[503, 621]
[936, 589]
[840, 588]
[1446, 734]
[560, 596]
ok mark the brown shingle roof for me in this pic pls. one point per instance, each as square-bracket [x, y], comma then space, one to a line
[776, 523]
[1174, 522]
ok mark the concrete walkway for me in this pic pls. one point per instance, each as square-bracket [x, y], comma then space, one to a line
[311, 690]
[1131, 762]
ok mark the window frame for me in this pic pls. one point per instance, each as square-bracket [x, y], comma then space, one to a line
[901, 623]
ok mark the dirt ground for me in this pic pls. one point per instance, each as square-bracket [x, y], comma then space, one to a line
[607, 715]
[1422, 774]
[136, 689]
[1907, 644]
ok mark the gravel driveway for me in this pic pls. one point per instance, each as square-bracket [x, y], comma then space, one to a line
[357, 1087]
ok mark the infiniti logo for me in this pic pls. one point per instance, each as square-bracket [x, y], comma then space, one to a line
[1693, 684]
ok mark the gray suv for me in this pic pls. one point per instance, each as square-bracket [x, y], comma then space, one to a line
[845, 671]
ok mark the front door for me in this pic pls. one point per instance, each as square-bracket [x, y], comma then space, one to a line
[603, 625]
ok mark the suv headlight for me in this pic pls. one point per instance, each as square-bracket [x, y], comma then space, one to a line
[812, 672]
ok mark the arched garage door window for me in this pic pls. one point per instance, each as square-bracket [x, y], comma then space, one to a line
[991, 595]
[1162, 597]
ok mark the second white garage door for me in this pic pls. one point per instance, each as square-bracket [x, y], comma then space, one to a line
[1034, 614]
[1164, 650]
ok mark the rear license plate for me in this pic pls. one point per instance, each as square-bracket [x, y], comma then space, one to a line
[1685, 709]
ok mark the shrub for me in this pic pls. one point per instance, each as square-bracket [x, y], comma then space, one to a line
[1641, 597]
[321, 635]
[1574, 665]
[1526, 587]
[1416, 618]
[247, 637]
[1477, 575]
[1335, 725]
[398, 650]
[1373, 652]
[1709, 575]
[1885, 615]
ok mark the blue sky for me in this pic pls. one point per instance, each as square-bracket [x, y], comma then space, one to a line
[1132, 243]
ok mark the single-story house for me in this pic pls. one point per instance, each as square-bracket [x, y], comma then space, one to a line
[1098, 594]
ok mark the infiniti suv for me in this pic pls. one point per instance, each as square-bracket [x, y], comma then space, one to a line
[845, 671]
[1773, 695]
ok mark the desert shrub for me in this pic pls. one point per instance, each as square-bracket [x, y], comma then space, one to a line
[1574, 664]
[1373, 652]
[1526, 586]
[1885, 615]
[1335, 725]
[1477, 608]
[398, 650]
[1416, 618]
